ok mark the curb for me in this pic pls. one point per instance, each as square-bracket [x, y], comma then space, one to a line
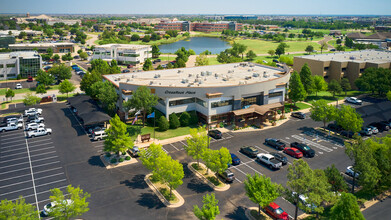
[205, 180]
[247, 213]
[111, 166]
[161, 197]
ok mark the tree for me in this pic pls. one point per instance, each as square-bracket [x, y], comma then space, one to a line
[281, 49]
[18, 209]
[22, 35]
[106, 94]
[44, 78]
[349, 42]
[83, 55]
[61, 71]
[219, 160]
[159, 67]
[184, 119]
[309, 49]
[389, 95]
[346, 208]
[88, 80]
[174, 121]
[9, 94]
[296, 88]
[319, 84]
[250, 55]
[339, 41]
[239, 48]
[30, 99]
[323, 46]
[334, 87]
[135, 37]
[67, 57]
[375, 80]
[345, 85]
[169, 171]
[271, 52]
[349, 119]
[146, 38]
[66, 87]
[40, 89]
[261, 190]
[147, 65]
[321, 111]
[143, 100]
[202, 60]
[163, 123]
[118, 139]
[155, 51]
[307, 79]
[209, 209]
[56, 57]
[66, 210]
[335, 179]
[49, 51]
[197, 143]
[150, 155]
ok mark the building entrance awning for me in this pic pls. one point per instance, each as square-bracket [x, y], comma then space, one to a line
[259, 109]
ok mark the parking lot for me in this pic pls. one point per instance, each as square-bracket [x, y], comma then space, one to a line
[12, 85]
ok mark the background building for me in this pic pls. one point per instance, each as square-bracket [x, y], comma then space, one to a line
[6, 40]
[380, 39]
[42, 47]
[123, 53]
[344, 64]
[199, 26]
[19, 63]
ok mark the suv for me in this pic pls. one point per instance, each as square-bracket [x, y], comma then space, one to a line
[99, 135]
[366, 131]
[216, 134]
[35, 119]
[300, 115]
[353, 100]
[276, 211]
[249, 151]
[307, 151]
[280, 157]
[275, 143]
[134, 151]
[381, 126]
[227, 175]
[18, 86]
[32, 111]
[334, 127]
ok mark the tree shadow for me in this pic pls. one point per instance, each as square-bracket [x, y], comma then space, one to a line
[95, 161]
[199, 187]
[150, 201]
[238, 213]
[186, 171]
[137, 182]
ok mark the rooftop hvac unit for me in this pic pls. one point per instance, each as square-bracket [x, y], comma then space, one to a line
[247, 77]
[197, 80]
[150, 82]
[200, 82]
[190, 75]
[216, 75]
[157, 76]
[255, 74]
[202, 73]
[185, 80]
[226, 78]
[208, 73]
[128, 80]
[229, 71]
[198, 76]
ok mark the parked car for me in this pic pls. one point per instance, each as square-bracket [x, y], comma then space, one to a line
[365, 131]
[305, 149]
[99, 135]
[130, 66]
[269, 161]
[373, 129]
[216, 134]
[353, 100]
[74, 66]
[276, 211]
[227, 175]
[276, 61]
[34, 126]
[48, 208]
[235, 159]
[249, 151]
[30, 79]
[134, 151]
[35, 119]
[18, 86]
[280, 157]
[125, 71]
[14, 119]
[39, 132]
[334, 127]
[32, 111]
[381, 126]
[350, 172]
[300, 115]
[11, 127]
[333, 50]
[348, 134]
[293, 152]
[95, 129]
[277, 144]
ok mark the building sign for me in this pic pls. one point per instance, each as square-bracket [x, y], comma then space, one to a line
[180, 92]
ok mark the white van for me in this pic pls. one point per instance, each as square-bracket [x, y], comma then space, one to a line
[99, 135]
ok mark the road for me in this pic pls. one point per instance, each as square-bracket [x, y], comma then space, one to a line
[378, 211]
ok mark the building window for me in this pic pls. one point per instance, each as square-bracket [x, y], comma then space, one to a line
[181, 102]
[10, 65]
[275, 94]
[161, 101]
[217, 118]
[222, 103]
[201, 102]
[249, 101]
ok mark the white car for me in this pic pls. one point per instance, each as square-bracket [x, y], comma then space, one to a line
[50, 206]
[32, 111]
[374, 129]
[18, 86]
[353, 100]
[34, 126]
[39, 132]
[14, 120]
[349, 171]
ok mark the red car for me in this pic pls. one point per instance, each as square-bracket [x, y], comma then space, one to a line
[276, 211]
[294, 152]
[29, 79]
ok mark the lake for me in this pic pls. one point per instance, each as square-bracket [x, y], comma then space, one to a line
[198, 44]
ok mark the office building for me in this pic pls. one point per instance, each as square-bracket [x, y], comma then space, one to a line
[6, 40]
[199, 26]
[19, 63]
[42, 47]
[123, 53]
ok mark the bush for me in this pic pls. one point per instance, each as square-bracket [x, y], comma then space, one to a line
[121, 160]
[195, 166]
[163, 124]
[19, 77]
[113, 160]
[193, 118]
[108, 154]
[127, 158]
[123, 153]
[174, 121]
[184, 119]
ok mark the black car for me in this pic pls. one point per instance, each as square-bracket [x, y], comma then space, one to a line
[307, 151]
[334, 127]
[125, 71]
[275, 143]
[381, 126]
[348, 134]
[300, 115]
[249, 151]
[216, 134]
[280, 157]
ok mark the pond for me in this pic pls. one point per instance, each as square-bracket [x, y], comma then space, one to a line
[198, 44]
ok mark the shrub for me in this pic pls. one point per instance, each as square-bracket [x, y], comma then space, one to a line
[163, 124]
[113, 160]
[184, 119]
[174, 121]
[121, 160]
[19, 77]
[127, 158]
[193, 118]
[108, 154]
[123, 153]
[278, 111]
[221, 124]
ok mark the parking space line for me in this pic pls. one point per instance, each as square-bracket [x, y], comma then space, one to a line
[285, 140]
[244, 163]
[14, 165]
[99, 146]
[309, 142]
[183, 143]
[14, 170]
[43, 171]
[2, 139]
[240, 171]
[11, 146]
[164, 150]
[44, 159]
[261, 149]
[6, 151]
[51, 182]
[8, 134]
[6, 161]
[174, 147]
[44, 153]
[15, 177]
[24, 189]
[41, 165]
[37, 145]
[238, 180]
[253, 169]
[40, 140]
[49, 176]
[14, 184]
[12, 141]
[41, 149]
[38, 193]
[230, 135]
[9, 155]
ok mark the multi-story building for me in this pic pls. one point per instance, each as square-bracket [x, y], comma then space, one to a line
[199, 26]
[236, 92]
[6, 40]
[123, 53]
[380, 39]
[19, 63]
[42, 47]
[344, 64]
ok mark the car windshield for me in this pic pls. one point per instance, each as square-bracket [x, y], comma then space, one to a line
[230, 174]
[297, 151]
[306, 148]
[252, 149]
[279, 211]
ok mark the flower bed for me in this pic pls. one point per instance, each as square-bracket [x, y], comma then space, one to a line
[113, 160]
[209, 178]
[165, 191]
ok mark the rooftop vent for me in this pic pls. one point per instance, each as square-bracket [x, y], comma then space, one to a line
[150, 82]
[202, 73]
[208, 73]
[255, 74]
[247, 78]
[157, 76]
[185, 80]
[216, 75]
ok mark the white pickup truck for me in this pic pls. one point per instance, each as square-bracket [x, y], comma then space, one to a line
[32, 111]
[11, 126]
[39, 132]
[34, 126]
[269, 161]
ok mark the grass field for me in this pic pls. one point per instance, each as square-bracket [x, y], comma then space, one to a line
[213, 61]
[262, 46]
[329, 97]
[26, 90]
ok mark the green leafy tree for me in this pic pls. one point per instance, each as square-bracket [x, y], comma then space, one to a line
[169, 171]
[150, 156]
[346, 208]
[66, 87]
[309, 49]
[307, 79]
[251, 55]
[143, 100]
[56, 57]
[174, 121]
[261, 190]
[147, 65]
[163, 124]
[340, 48]
[49, 51]
[44, 78]
[219, 160]
[335, 179]
[40, 89]
[67, 210]
[107, 95]
[146, 38]
[18, 209]
[281, 49]
[88, 80]
[67, 57]
[30, 99]
[9, 94]
[323, 46]
[389, 95]
[197, 143]
[61, 71]
[271, 52]
[334, 87]
[239, 48]
[319, 84]
[202, 60]
[375, 80]
[345, 85]
[349, 42]
[155, 51]
[209, 209]
[339, 41]
[184, 119]
[22, 35]
[321, 111]
[349, 119]
[135, 37]
[296, 89]
[159, 67]
[83, 55]
[118, 139]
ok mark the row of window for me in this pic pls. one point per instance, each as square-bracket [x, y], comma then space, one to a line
[9, 65]
[128, 55]
[184, 102]
[275, 94]
[222, 103]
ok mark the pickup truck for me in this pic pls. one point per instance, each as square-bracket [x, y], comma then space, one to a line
[39, 132]
[35, 119]
[11, 126]
[15, 120]
[34, 126]
[32, 111]
[269, 161]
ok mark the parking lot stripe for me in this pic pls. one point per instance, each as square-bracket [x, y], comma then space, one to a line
[44, 153]
[11, 146]
[49, 176]
[41, 165]
[38, 193]
[6, 161]
[37, 145]
[14, 165]
[16, 191]
[5, 151]
[306, 141]
[43, 159]
[15, 184]
[253, 169]
[42, 149]
[8, 134]
[244, 163]
[43, 171]
[183, 143]
[6, 143]
[15, 177]
[2, 139]
[9, 155]
[261, 149]
[100, 146]
[51, 182]
[240, 171]
[174, 147]
[30, 142]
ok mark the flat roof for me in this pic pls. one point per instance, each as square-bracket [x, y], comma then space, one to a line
[42, 44]
[124, 46]
[24, 54]
[202, 76]
[360, 56]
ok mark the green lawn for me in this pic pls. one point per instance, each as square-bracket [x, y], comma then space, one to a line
[213, 61]
[263, 46]
[299, 106]
[329, 97]
[26, 90]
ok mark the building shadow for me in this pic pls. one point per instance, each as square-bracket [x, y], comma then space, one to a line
[237, 214]
[137, 182]
[75, 124]
[95, 161]
[150, 201]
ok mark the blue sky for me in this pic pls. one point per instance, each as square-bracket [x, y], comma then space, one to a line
[313, 7]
